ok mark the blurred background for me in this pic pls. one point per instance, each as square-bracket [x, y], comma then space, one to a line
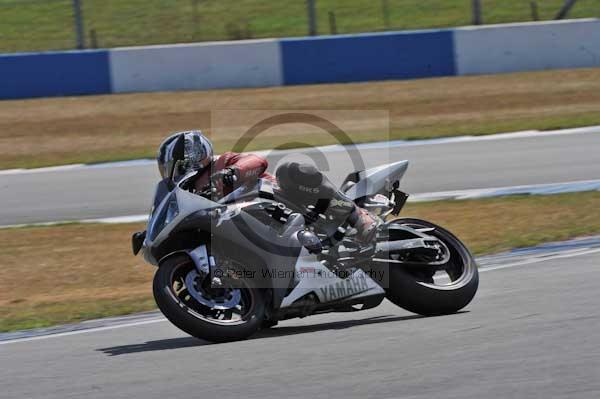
[34, 25]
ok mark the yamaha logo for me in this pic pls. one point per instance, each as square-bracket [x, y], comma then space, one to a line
[345, 288]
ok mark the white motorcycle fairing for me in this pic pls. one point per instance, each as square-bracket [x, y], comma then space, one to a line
[313, 277]
[373, 181]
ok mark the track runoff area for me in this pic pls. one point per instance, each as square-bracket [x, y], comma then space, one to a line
[528, 333]
[467, 167]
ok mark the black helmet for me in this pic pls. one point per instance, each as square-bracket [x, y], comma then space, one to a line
[184, 152]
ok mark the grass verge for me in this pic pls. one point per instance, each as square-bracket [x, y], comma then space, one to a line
[69, 273]
[42, 132]
[44, 25]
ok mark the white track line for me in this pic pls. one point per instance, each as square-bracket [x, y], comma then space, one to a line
[86, 331]
[539, 258]
[444, 140]
[338, 147]
[564, 254]
[109, 220]
[534, 189]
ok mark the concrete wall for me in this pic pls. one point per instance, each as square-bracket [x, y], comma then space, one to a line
[252, 63]
[527, 47]
[324, 59]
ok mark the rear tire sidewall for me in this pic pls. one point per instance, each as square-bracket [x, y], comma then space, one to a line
[405, 291]
[180, 315]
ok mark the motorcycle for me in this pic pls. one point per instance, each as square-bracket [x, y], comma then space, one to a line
[229, 266]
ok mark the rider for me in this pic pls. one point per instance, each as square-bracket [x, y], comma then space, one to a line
[231, 169]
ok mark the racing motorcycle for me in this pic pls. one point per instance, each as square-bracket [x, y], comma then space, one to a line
[230, 266]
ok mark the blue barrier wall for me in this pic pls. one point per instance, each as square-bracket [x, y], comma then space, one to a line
[54, 74]
[324, 59]
[381, 56]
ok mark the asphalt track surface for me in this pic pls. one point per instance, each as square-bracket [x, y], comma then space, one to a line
[531, 332]
[127, 190]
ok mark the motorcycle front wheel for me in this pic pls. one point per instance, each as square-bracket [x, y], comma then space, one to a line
[231, 312]
[432, 291]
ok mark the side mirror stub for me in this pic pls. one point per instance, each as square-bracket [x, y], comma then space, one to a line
[137, 241]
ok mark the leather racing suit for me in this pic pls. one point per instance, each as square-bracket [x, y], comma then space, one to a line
[246, 167]
[303, 182]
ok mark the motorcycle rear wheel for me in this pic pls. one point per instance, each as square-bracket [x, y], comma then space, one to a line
[198, 320]
[417, 290]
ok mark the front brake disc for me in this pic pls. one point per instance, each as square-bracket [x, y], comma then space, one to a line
[229, 299]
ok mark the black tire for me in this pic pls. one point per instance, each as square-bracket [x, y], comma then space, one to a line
[266, 324]
[185, 317]
[421, 297]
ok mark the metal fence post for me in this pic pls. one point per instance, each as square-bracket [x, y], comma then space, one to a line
[564, 11]
[78, 19]
[195, 19]
[476, 12]
[332, 23]
[385, 10]
[534, 11]
[93, 38]
[312, 17]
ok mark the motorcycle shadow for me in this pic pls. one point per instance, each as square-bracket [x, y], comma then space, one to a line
[186, 342]
[334, 325]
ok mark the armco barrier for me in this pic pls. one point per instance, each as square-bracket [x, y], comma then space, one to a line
[250, 63]
[352, 58]
[527, 47]
[54, 74]
[325, 59]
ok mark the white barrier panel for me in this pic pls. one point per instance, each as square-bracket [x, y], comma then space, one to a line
[251, 63]
[527, 46]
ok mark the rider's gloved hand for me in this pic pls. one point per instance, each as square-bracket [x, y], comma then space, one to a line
[229, 176]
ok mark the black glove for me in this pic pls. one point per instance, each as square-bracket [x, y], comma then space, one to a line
[230, 176]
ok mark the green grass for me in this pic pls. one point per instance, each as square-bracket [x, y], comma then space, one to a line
[499, 224]
[48, 24]
[91, 129]
[81, 285]
[432, 132]
[53, 313]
